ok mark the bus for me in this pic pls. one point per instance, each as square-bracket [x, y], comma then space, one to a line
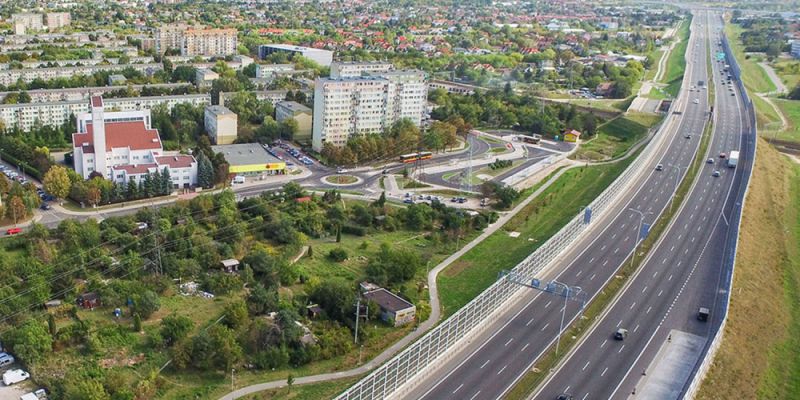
[413, 157]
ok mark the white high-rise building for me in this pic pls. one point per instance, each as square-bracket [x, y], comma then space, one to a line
[351, 69]
[345, 107]
[57, 20]
[31, 21]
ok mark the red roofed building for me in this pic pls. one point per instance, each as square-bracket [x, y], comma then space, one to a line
[122, 147]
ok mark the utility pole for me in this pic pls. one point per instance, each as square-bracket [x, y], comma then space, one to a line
[358, 310]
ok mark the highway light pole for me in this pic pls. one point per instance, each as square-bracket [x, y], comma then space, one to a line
[678, 170]
[563, 313]
[639, 235]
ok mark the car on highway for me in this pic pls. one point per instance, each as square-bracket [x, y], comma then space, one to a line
[659, 167]
[733, 94]
[702, 314]
[696, 101]
[688, 136]
[620, 334]
[564, 396]
[722, 155]
[715, 174]
[710, 161]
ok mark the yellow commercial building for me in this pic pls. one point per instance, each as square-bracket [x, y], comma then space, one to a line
[250, 159]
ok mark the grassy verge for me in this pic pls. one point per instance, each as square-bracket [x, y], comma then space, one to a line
[549, 360]
[754, 362]
[314, 391]
[766, 117]
[790, 110]
[676, 63]
[753, 76]
[544, 216]
[788, 71]
[617, 136]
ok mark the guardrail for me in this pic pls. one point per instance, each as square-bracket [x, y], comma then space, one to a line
[729, 255]
[435, 345]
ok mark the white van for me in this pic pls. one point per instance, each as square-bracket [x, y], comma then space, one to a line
[238, 179]
[15, 376]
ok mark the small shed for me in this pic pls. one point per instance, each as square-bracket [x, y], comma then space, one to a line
[313, 310]
[572, 136]
[89, 300]
[393, 307]
[230, 265]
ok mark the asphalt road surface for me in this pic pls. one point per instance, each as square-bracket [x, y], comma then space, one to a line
[491, 365]
[681, 274]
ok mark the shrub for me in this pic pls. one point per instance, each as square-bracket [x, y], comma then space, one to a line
[338, 254]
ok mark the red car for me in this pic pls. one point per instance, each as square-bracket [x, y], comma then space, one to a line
[13, 231]
[722, 155]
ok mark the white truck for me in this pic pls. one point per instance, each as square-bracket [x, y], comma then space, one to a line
[733, 159]
[13, 376]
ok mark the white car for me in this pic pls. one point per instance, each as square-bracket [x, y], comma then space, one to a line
[696, 101]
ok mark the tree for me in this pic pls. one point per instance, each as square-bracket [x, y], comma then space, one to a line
[215, 348]
[236, 316]
[146, 303]
[175, 328]
[93, 195]
[16, 209]
[205, 171]
[336, 297]
[137, 322]
[290, 382]
[51, 325]
[57, 182]
[30, 341]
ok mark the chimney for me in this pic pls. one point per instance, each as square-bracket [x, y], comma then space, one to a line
[99, 135]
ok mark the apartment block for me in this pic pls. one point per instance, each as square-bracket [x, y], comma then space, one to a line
[221, 124]
[319, 56]
[301, 114]
[209, 42]
[169, 37]
[57, 20]
[353, 69]
[345, 107]
[26, 116]
[12, 76]
[31, 21]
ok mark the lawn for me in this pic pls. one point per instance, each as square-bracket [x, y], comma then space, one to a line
[676, 63]
[654, 55]
[610, 105]
[656, 93]
[753, 76]
[768, 120]
[615, 137]
[537, 222]
[788, 71]
[791, 110]
[758, 358]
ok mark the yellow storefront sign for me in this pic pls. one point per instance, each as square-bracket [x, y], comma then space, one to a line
[241, 169]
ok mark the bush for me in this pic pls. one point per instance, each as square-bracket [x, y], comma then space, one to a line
[338, 254]
[354, 230]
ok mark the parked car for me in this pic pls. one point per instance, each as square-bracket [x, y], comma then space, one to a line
[13, 231]
[15, 376]
[45, 206]
[6, 359]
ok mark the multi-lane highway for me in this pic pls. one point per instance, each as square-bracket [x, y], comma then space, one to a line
[497, 359]
[681, 274]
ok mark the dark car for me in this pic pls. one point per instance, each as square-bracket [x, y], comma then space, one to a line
[564, 396]
[621, 334]
[45, 206]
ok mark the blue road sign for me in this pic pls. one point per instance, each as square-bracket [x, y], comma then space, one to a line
[645, 230]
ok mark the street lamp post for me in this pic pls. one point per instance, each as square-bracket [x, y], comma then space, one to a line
[563, 313]
[678, 170]
[638, 231]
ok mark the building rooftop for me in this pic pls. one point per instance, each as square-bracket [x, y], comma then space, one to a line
[219, 110]
[388, 300]
[176, 161]
[292, 47]
[245, 154]
[131, 134]
[294, 106]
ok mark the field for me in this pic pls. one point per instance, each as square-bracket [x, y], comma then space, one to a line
[758, 358]
[753, 76]
[676, 63]
[617, 136]
[537, 222]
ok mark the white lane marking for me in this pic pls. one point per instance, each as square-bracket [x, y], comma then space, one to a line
[619, 323]
[604, 342]
[644, 290]
[586, 365]
[605, 262]
[591, 278]
[632, 305]
[660, 292]
[502, 369]
[509, 341]
[545, 326]
[648, 310]
[590, 261]
[604, 371]
[484, 364]
[525, 347]
[585, 396]
[459, 387]
[475, 395]
[579, 273]
[529, 322]
[670, 277]
[548, 304]
[636, 329]
[620, 349]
